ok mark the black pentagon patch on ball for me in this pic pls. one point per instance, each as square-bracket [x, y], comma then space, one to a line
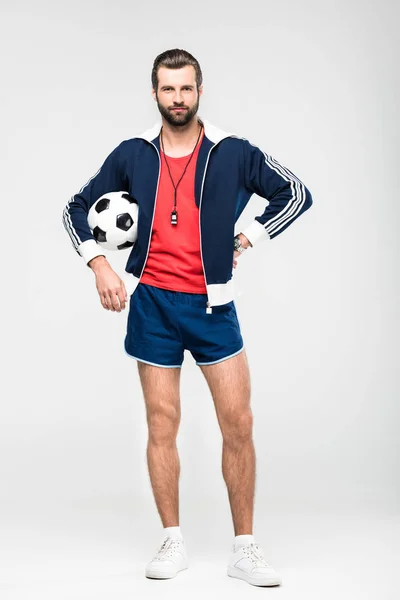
[99, 234]
[125, 245]
[124, 221]
[102, 204]
[130, 199]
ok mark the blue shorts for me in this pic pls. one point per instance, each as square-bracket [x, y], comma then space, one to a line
[163, 323]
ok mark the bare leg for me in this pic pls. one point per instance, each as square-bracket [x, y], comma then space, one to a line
[162, 396]
[229, 383]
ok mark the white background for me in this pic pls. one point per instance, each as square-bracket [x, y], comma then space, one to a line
[315, 84]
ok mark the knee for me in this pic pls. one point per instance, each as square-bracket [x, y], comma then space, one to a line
[163, 426]
[237, 428]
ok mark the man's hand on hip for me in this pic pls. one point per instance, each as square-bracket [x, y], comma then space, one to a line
[245, 243]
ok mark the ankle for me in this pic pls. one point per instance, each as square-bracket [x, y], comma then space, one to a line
[242, 540]
[173, 531]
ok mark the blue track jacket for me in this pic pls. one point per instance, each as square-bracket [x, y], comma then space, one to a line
[229, 171]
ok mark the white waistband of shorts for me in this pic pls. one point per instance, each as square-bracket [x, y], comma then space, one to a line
[218, 293]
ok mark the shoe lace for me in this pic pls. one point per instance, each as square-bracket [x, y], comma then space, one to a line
[167, 548]
[256, 555]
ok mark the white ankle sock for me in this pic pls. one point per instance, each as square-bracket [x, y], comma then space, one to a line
[174, 531]
[242, 540]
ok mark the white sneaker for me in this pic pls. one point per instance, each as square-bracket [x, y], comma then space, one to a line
[171, 558]
[248, 563]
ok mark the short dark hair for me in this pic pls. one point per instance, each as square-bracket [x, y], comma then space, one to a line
[175, 59]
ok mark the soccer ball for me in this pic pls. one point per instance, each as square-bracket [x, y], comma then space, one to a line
[113, 220]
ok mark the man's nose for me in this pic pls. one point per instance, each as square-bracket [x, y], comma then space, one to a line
[178, 98]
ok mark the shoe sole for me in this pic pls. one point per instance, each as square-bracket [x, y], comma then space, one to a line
[165, 575]
[238, 574]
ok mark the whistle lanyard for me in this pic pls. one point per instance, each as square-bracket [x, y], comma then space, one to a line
[174, 213]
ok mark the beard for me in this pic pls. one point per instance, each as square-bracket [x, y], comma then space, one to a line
[178, 119]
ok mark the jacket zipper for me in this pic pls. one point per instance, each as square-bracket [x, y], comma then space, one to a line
[209, 307]
[154, 209]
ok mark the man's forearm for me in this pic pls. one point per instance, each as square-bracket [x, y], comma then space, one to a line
[98, 262]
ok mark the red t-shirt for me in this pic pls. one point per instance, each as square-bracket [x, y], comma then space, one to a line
[174, 259]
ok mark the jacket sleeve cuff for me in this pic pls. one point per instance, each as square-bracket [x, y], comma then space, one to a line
[255, 233]
[89, 250]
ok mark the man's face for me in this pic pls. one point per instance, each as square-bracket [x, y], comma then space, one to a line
[177, 87]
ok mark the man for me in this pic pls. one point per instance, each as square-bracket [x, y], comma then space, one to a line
[191, 181]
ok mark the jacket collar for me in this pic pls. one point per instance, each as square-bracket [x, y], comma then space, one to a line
[213, 133]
